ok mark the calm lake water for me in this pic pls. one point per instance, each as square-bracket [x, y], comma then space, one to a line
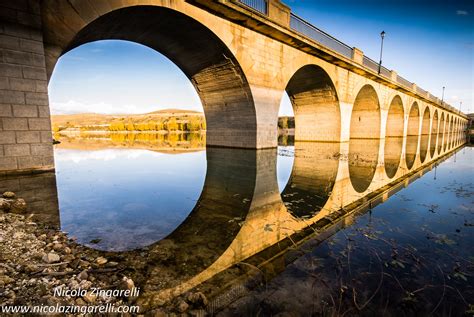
[412, 253]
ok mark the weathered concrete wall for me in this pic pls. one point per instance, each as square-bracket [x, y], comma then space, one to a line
[239, 73]
[25, 132]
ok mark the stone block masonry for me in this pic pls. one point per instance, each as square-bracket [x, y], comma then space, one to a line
[25, 129]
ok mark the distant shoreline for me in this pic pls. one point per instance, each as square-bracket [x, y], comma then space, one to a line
[162, 121]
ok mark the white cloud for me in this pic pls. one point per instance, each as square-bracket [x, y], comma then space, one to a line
[462, 12]
[78, 156]
[72, 106]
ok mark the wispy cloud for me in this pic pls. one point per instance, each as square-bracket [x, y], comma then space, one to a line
[72, 106]
[462, 12]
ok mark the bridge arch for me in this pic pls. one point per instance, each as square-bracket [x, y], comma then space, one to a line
[451, 132]
[315, 104]
[441, 134]
[457, 131]
[425, 134]
[394, 136]
[434, 134]
[203, 57]
[413, 127]
[446, 132]
[364, 138]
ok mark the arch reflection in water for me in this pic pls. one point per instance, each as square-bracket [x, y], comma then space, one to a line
[229, 189]
[394, 137]
[117, 199]
[412, 135]
[364, 138]
[362, 162]
[392, 154]
[312, 178]
[240, 187]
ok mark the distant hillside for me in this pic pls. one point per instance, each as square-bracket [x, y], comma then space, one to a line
[161, 120]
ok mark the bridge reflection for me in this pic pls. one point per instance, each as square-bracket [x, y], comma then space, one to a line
[241, 217]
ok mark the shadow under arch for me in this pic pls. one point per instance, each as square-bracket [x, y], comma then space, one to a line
[425, 134]
[394, 137]
[209, 64]
[412, 135]
[434, 134]
[315, 105]
[312, 178]
[364, 138]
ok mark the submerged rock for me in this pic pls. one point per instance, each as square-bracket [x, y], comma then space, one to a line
[101, 260]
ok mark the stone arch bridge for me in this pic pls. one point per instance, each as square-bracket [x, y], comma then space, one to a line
[241, 56]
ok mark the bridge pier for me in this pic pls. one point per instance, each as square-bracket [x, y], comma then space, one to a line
[25, 131]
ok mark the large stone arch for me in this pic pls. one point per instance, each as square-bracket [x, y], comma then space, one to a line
[446, 132]
[457, 131]
[364, 138]
[434, 133]
[203, 57]
[451, 134]
[315, 104]
[394, 136]
[425, 134]
[441, 135]
[413, 127]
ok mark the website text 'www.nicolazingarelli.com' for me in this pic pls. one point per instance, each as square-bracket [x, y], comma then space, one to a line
[68, 309]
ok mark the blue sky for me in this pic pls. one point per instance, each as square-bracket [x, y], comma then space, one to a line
[428, 42]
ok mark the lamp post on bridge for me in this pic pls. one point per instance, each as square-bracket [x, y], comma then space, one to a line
[382, 35]
[442, 97]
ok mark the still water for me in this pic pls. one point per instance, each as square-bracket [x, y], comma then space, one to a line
[276, 211]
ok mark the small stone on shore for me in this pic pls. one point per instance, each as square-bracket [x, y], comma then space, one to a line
[89, 297]
[9, 195]
[51, 258]
[101, 260]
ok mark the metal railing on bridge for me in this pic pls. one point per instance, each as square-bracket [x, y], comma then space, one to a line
[259, 5]
[402, 81]
[301, 26]
[308, 30]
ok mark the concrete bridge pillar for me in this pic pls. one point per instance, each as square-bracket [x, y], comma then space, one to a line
[25, 132]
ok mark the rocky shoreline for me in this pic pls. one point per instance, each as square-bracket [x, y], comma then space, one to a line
[37, 260]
